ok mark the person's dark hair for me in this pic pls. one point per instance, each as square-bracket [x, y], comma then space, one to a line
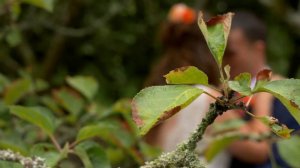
[253, 28]
[183, 45]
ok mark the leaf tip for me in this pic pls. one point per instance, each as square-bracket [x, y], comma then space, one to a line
[264, 74]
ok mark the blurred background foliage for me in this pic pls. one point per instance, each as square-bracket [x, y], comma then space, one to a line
[117, 41]
[112, 45]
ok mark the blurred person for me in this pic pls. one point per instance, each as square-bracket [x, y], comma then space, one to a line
[184, 45]
[246, 52]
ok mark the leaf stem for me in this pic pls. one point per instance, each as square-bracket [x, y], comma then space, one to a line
[236, 99]
[224, 82]
[54, 141]
[212, 96]
[72, 145]
[214, 88]
[252, 115]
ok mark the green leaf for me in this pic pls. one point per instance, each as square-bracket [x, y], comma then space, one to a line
[289, 150]
[16, 91]
[10, 164]
[69, 100]
[14, 36]
[45, 4]
[220, 143]
[47, 151]
[241, 84]
[51, 104]
[15, 9]
[287, 91]
[40, 85]
[157, 103]
[38, 116]
[216, 32]
[92, 155]
[13, 144]
[149, 151]
[86, 85]
[187, 75]
[3, 82]
[109, 131]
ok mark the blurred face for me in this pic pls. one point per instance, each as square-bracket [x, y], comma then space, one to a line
[241, 54]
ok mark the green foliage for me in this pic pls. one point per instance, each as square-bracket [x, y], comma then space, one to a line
[45, 4]
[155, 104]
[48, 151]
[87, 86]
[187, 75]
[57, 123]
[69, 100]
[14, 37]
[16, 91]
[289, 150]
[92, 155]
[110, 131]
[39, 116]
[241, 84]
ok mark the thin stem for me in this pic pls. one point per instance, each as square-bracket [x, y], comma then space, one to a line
[214, 88]
[252, 115]
[54, 141]
[238, 98]
[224, 82]
[72, 145]
[212, 96]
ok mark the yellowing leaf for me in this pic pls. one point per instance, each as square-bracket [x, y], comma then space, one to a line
[187, 75]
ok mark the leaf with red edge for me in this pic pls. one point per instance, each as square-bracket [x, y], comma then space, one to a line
[155, 104]
[216, 32]
[262, 78]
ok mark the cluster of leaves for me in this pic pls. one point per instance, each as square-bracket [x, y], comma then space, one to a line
[155, 104]
[101, 37]
[67, 125]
